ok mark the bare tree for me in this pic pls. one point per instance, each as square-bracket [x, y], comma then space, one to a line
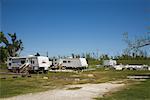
[135, 46]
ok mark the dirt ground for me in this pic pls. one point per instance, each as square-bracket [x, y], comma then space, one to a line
[72, 92]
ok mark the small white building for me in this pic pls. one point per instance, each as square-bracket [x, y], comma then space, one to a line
[109, 62]
[35, 63]
[70, 63]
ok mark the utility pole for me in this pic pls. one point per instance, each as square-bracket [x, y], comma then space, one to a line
[97, 53]
[47, 53]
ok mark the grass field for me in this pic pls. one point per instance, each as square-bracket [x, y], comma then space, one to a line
[22, 85]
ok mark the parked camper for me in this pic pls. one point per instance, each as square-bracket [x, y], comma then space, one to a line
[70, 63]
[15, 62]
[109, 62]
[136, 67]
[131, 67]
[32, 63]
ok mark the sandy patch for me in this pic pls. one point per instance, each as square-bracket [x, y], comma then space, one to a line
[85, 92]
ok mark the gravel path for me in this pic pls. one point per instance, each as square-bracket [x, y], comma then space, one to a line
[72, 92]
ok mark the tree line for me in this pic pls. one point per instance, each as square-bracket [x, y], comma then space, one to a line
[11, 46]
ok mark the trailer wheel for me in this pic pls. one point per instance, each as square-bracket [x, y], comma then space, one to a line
[45, 71]
[63, 67]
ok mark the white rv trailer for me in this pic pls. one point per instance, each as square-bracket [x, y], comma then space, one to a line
[137, 67]
[131, 67]
[70, 63]
[36, 63]
[109, 62]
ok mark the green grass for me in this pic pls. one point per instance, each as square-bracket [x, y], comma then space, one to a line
[22, 85]
[140, 91]
[12, 87]
[3, 68]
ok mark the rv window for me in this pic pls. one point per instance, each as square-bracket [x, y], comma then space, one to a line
[32, 62]
[9, 64]
[64, 61]
[43, 62]
[22, 62]
[15, 60]
[69, 61]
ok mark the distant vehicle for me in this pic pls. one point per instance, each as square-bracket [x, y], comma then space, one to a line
[109, 62]
[119, 67]
[69, 63]
[30, 63]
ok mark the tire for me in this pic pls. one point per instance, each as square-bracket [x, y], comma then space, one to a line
[45, 71]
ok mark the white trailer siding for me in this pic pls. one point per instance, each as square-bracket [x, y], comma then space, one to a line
[36, 62]
[109, 62]
[74, 62]
[83, 62]
[15, 62]
[43, 62]
[33, 61]
[69, 63]
[118, 67]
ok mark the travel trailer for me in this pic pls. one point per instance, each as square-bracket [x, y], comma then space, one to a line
[30, 63]
[69, 63]
[131, 67]
[109, 62]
